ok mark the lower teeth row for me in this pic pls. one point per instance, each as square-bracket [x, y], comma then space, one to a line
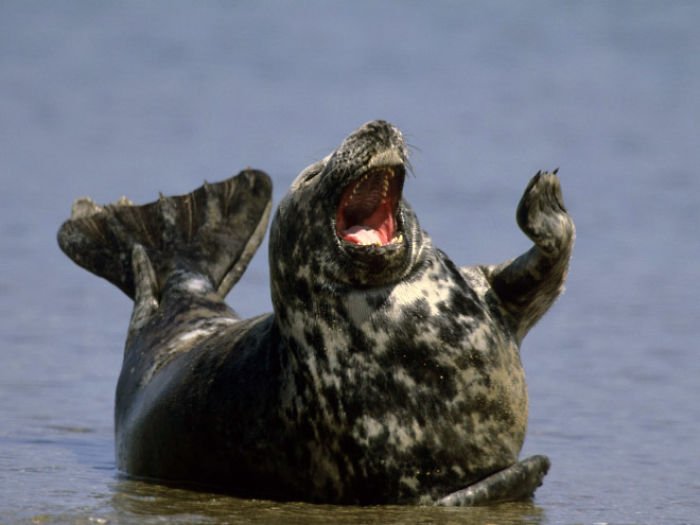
[398, 239]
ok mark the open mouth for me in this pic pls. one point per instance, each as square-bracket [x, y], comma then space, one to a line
[367, 212]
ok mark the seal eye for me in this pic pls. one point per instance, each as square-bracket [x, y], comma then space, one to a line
[366, 213]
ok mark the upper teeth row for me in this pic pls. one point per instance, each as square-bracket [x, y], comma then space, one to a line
[385, 184]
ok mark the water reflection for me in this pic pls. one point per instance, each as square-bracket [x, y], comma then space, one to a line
[150, 503]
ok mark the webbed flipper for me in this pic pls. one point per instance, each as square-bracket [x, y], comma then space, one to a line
[515, 483]
[213, 231]
[528, 285]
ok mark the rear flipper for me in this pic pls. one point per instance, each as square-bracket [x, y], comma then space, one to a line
[515, 483]
[212, 233]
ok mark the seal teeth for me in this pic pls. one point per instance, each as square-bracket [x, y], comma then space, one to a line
[355, 189]
[352, 195]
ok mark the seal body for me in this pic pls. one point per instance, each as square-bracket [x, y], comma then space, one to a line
[419, 390]
[386, 373]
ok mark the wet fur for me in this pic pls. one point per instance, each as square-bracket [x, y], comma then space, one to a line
[381, 376]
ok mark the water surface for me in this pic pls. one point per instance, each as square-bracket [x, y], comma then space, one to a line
[132, 98]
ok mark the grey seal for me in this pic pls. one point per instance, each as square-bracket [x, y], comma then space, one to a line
[385, 374]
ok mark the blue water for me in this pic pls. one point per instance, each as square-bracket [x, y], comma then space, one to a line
[134, 98]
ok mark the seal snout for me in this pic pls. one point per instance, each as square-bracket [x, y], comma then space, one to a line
[367, 212]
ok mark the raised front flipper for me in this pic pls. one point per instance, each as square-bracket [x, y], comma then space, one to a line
[528, 285]
[515, 483]
[212, 232]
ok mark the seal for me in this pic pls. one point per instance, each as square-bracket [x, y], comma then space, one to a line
[385, 374]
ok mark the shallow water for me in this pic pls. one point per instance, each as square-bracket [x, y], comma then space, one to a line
[102, 100]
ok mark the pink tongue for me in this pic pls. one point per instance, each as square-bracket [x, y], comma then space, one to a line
[362, 235]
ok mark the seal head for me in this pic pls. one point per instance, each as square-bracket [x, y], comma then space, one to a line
[347, 215]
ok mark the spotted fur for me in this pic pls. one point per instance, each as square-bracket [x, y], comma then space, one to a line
[385, 373]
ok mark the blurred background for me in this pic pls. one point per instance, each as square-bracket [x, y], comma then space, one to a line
[132, 98]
